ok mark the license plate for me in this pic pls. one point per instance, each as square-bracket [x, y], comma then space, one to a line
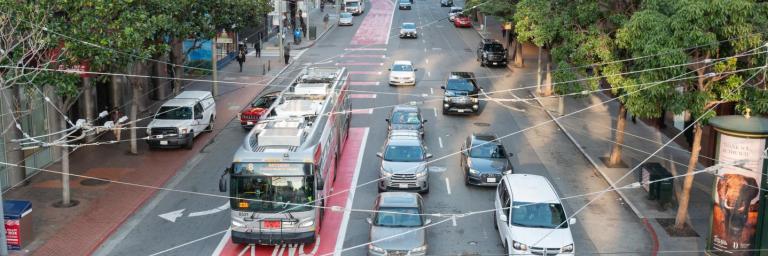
[495, 63]
[159, 136]
[163, 142]
[402, 185]
[249, 123]
[272, 224]
[460, 111]
[491, 180]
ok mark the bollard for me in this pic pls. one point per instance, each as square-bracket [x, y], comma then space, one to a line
[263, 69]
[269, 65]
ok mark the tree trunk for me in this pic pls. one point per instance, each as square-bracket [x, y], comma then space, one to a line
[115, 95]
[66, 200]
[615, 159]
[682, 210]
[159, 82]
[519, 54]
[547, 91]
[177, 58]
[137, 99]
[14, 154]
[538, 74]
[88, 104]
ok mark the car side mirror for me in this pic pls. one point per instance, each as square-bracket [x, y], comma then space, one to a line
[572, 221]
[380, 155]
[389, 69]
[427, 222]
[429, 155]
[387, 120]
[369, 220]
[423, 121]
[503, 217]
[442, 87]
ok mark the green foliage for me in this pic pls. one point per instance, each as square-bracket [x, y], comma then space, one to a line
[199, 64]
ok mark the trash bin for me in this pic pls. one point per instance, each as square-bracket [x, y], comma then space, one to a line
[662, 191]
[18, 223]
[312, 32]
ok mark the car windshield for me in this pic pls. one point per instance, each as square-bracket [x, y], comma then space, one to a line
[272, 193]
[345, 15]
[174, 113]
[404, 154]
[493, 48]
[351, 4]
[263, 102]
[487, 150]
[409, 26]
[455, 10]
[461, 16]
[405, 1]
[460, 85]
[401, 67]
[392, 217]
[538, 215]
[401, 117]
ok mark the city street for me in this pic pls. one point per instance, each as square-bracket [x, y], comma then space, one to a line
[176, 223]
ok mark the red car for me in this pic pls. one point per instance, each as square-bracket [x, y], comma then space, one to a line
[252, 113]
[462, 20]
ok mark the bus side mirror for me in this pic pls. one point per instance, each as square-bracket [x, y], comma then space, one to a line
[223, 181]
[320, 184]
[442, 87]
[380, 155]
[387, 119]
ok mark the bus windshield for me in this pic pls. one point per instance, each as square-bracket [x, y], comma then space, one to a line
[272, 193]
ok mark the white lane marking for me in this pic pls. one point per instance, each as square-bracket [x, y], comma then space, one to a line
[440, 139]
[427, 61]
[172, 216]
[188, 243]
[425, 49]
[448, 187]
[211, 211]
[435, 111]
[222, 243]
[431, 91]
[345, 219]
[428, 74]
[453, 219]
[423, 41]
[245, 249]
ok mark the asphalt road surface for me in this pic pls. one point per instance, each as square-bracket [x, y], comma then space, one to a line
[604, 226]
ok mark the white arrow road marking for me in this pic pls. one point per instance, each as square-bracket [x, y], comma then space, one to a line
[211, 211]
[172, 216]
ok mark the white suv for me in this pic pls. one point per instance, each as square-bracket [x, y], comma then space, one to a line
[530, 218]
[180, 119]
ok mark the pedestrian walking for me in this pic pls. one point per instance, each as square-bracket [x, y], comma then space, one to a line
[286, 52]
[257, 48]
[503, 31]
[241, 57]
[325, 20]
[297, 36]
[322, 6]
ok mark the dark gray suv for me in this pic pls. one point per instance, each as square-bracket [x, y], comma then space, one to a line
[491, 52]
[484, 160]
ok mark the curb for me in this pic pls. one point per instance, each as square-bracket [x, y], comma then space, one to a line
[333, 26]
[654, 237]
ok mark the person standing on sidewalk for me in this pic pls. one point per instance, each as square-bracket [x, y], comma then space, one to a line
[257, 48]
[325, 21]
[241, 57]
[287, 53]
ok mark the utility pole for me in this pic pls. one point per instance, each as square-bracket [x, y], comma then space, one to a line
[214, 60]
[3, 240]
[280, 26]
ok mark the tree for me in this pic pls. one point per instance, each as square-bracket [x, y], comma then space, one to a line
[540, 22]
[723, 28]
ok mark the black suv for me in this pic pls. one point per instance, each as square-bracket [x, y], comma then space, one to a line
[461, 93]
[491, 52]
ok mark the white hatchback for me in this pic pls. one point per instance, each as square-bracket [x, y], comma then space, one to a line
[402, 73]
[530, 218]
[345, 18]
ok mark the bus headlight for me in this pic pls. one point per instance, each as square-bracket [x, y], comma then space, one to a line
[373, 248]
[567, 248]
[237, 223]
[308, 223]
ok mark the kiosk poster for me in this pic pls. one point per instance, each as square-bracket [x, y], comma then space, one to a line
[12, 234]
[734, 215]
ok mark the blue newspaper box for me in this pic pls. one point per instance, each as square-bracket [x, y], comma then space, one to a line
[18, 223]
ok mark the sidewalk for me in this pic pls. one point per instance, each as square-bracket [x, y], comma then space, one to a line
[104, 206]
[592, 132]
[272, 45]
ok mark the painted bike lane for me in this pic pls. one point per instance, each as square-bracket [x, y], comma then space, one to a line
[375, 27]
[333, 227]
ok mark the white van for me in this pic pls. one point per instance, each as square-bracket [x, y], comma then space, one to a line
[180, 119]
[355, 7]
[530, 218]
